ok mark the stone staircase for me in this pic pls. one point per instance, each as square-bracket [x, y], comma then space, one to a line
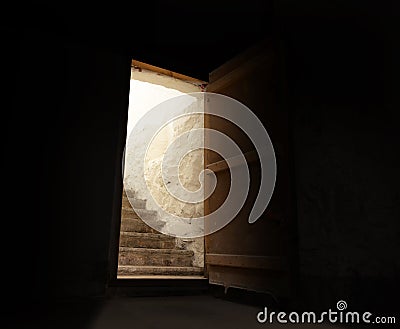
[144, 251]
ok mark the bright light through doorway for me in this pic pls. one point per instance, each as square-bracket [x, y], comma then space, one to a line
[144, 252]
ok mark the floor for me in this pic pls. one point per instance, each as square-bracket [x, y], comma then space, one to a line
[194, 312]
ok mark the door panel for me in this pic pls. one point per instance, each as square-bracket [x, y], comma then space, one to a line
[258, 256]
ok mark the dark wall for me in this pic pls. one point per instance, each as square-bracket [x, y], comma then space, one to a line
[63, 136]
[344, 118]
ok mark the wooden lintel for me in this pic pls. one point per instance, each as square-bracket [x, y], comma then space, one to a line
[140, 65]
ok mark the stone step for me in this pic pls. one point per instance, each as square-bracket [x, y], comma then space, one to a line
[149, 216]
[146, 240]
[137, 203]
[154, 257]
[129, 193]
[136, 225]
[159, 270]
[128, 213]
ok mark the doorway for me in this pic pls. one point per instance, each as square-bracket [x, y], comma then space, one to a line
[250, 256]
[145, 251]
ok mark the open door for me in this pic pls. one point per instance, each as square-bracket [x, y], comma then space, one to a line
[259, 256]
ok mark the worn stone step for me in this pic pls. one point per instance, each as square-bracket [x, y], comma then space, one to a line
[136, 225]
[150, 217]
[129, 193]
[137, 203]
[128, 212]
[146, 240]
[154, 257]
[159, 270]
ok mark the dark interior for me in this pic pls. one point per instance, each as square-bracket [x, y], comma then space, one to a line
[66, 78]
